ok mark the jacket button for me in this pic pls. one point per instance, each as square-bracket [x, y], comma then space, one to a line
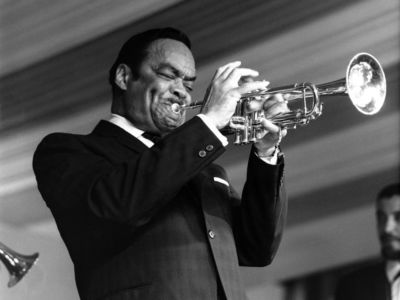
[209, 147]
[211, 234]
[202, 153]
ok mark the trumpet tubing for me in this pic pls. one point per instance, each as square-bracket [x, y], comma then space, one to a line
[364, 84]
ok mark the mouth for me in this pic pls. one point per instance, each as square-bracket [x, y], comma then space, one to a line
[175, 107]
[390, 240]
[165, 115]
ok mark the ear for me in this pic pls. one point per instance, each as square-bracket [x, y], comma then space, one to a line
[122, 74]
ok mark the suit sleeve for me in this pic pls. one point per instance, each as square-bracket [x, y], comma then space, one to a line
[341, 291]
[73, 177]
[260, 219]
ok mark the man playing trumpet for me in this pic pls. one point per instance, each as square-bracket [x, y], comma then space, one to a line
[155, 218]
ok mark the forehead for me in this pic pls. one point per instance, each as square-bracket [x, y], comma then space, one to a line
[173, 53]
[389, 204]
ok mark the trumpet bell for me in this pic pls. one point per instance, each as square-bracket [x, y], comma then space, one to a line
[366, 83]
[16, 264]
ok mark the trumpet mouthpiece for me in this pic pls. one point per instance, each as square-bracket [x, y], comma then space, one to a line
[176, 108]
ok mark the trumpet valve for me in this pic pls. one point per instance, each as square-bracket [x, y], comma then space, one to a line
[246, 130]
[238, 138]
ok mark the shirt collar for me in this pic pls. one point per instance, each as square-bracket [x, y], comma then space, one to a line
[125, 124]
[392, 268]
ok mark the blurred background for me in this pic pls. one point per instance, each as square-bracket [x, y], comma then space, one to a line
[54, 59]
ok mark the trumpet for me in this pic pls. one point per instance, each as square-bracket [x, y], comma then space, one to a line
[17, 264]
[364, 84]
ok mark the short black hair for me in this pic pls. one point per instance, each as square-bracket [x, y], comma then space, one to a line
[134, 50]
[389, 191]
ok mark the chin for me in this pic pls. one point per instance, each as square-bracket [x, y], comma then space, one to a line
[167, 128]
[166, 122]
[170, 124]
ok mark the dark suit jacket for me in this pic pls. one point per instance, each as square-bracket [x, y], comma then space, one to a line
[366, 283]
[144, 223]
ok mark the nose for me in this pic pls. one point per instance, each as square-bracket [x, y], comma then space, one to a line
[180, 92]
[390, 224]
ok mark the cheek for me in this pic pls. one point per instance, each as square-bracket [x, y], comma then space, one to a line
[159, 88]
[157, 97]
[158, 111]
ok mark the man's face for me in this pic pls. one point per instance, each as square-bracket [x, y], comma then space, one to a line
[388, 221]
[165, 77]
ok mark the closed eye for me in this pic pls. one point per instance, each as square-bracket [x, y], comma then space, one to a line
[189, 88]
[167, 75]
[168, 72]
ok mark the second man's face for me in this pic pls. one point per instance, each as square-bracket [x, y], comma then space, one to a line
[164, 78]
[388, 221]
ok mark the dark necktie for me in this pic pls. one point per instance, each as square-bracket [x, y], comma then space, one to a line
[151, 136]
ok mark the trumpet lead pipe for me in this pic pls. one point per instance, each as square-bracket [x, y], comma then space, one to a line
[178, 107]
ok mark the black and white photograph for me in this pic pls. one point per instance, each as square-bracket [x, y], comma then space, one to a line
[199, 150]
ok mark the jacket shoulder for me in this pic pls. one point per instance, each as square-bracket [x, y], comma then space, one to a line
[364, 274]
[56, 142]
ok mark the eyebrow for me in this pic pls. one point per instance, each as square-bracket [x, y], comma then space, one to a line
[177, 72]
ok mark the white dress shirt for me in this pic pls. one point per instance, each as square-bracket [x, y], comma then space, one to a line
[392, 269]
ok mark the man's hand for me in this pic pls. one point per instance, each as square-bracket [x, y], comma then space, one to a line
[224, 91]
[272, 133]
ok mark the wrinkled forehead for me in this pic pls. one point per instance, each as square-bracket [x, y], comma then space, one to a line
[389, 205]
[174, 53]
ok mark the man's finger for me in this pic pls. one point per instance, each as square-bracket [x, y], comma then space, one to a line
[245, 79]
[252, 86]
[238, 73]
[225, 70]
[269, 126]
